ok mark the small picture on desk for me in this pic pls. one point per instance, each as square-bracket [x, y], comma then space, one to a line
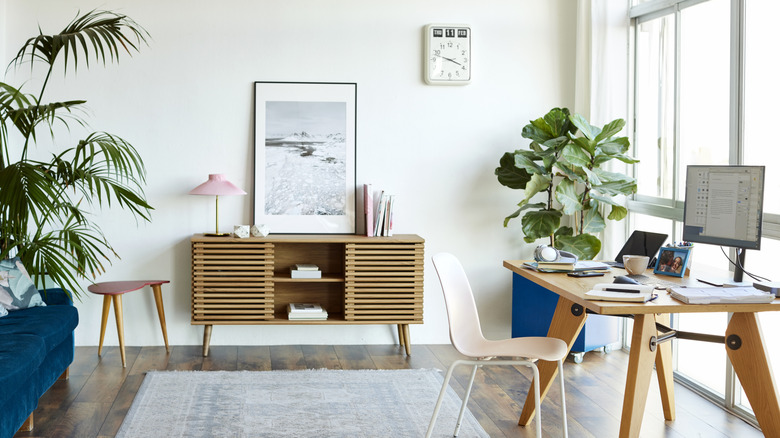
[672, 261]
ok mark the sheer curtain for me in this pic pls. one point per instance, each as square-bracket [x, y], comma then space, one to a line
[602, 80]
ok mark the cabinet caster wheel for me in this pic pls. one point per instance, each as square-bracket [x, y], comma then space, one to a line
[607, 349]
[578, 357]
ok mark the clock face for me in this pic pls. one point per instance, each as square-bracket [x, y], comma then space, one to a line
[447, 54]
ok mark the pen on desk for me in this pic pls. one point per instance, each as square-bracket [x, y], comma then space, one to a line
[616, 289]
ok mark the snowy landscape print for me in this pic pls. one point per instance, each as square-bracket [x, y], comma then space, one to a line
[305, 158]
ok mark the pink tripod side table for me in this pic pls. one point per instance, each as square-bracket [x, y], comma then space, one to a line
[112, 291]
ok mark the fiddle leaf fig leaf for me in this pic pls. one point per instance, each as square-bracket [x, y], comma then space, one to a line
[524, 205]
[536, 184]
[525, 161]
[566, 194]
[593, 222]
[510, 175]
[575, 155]
[610, 129]
[564, 231]
[538, 130]
[558, 121]
[540, 224]
[585, 144]
[617, 213]
[615, 146]
[589, 131]
[584, 246]
[613, 183]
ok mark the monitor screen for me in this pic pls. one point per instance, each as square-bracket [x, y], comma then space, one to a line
[724, 205]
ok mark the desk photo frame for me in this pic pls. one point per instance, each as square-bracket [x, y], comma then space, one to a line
[672, 261]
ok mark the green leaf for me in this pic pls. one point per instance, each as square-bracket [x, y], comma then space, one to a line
[575, 155]
[536, 184]
[523, 206]
[538, 131]
[610, 129]
[617, 213]
[615, 146]
[584, 246]
[510, 175]
[593, 222]
[613, 183]
[589, 131]
[525, 161]
[558, 121]
[564, 231]
[584, 143]
[566, 194]
[540, 224]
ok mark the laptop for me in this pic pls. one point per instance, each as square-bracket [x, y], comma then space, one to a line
[640, 243]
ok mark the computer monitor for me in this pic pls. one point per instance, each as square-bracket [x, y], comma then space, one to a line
[724, 206]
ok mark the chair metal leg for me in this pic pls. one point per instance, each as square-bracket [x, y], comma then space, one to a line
[465, 400]
[563, 401]
[441, 397]
[537, 399]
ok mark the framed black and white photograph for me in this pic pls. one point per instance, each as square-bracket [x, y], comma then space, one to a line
[672, 261]
[305, 156]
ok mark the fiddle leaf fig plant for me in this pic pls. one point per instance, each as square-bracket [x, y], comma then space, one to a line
[45, 206]
[564, 164]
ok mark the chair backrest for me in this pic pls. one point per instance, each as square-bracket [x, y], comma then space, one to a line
[465, 329]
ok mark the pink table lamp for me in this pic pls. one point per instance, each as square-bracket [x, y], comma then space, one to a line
[217, 185]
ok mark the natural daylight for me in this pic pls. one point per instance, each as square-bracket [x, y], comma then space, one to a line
[305, 158]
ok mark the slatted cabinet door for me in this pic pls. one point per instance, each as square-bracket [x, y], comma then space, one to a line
[384, 282]
[232, 282]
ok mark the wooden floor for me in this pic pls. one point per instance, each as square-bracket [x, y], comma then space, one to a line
[94, 401]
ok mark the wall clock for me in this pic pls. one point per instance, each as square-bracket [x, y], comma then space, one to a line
[447, 54]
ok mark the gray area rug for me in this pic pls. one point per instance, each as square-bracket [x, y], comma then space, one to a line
[311, 403]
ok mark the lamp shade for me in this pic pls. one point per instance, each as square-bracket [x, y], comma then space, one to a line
[217, 185]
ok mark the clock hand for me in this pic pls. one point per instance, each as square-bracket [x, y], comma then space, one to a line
[450, 60]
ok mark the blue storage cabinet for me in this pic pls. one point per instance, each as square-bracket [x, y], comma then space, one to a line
[532, 310]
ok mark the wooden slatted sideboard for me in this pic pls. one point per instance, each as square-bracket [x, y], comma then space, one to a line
[365, 280]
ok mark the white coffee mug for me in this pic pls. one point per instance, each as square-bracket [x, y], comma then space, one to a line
[635, 264]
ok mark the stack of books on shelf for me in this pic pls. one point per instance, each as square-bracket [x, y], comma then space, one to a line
[305, 270]
[379, 213]
[306, 311]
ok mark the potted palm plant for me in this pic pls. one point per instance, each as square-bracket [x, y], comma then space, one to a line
[567, 170]
[44, 216]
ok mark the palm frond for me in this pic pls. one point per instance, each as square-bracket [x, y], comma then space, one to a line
[95, 34]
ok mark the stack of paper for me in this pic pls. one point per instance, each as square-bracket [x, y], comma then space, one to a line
[305, 270]
[709, 295]
[308, 311]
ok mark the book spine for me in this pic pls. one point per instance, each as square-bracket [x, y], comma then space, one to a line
[368, 206]
[380, 217]
[391, 210]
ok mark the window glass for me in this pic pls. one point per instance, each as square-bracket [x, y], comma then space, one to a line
[761, 95]
[654, 94]
[704, 86]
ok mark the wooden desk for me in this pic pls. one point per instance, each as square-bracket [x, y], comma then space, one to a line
[744, 345]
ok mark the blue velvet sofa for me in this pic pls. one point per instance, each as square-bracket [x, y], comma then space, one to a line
[36, 348]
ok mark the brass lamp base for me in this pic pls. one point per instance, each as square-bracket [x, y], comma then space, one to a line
[217, 234]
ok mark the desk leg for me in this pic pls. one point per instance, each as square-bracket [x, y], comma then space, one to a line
[745, 349]
[663, 368]
[120, 330]
[640, 369]
[566, 324]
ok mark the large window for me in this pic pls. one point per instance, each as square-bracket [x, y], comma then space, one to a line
[704, 92]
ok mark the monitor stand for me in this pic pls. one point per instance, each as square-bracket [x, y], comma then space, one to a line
[736, 281]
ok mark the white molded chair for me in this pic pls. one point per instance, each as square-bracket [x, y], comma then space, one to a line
[467, 338]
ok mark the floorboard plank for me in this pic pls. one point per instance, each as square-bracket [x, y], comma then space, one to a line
[95, 400]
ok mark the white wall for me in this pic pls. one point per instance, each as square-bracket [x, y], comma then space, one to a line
[186, 102]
